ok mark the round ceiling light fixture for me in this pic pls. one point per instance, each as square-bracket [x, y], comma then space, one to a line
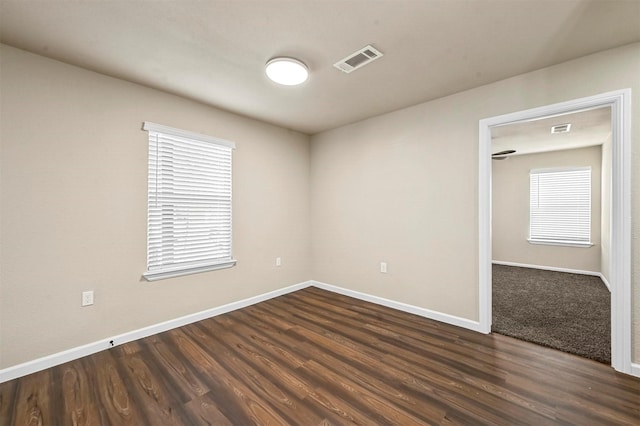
[287, 71]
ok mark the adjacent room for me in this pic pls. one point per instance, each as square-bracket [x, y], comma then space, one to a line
[287, 212]
[551, 232]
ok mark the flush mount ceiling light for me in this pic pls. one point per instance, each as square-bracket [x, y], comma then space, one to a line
[287, 71]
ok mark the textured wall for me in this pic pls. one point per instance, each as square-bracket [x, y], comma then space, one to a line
[510, 212]
[402, 187]
[74, 188]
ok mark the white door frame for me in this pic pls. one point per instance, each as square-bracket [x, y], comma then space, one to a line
[620, 258]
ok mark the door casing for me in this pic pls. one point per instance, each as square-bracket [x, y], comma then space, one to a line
[620, 256]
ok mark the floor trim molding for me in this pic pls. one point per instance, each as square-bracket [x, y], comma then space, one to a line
[556, 269]
[423, 312]
[605, 281]
[547, 268]
[52, 360]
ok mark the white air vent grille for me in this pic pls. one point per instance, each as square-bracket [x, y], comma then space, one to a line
[561, 128]
[358, 59]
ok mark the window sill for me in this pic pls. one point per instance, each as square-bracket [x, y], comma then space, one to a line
[560, 243]
[171, 273]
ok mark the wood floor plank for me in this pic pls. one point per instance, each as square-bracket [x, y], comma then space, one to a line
[426, 381]
[109, 392]
[412, 341]
[180, 375]
[79, 407]
[463, 389]
[239, 402]
[260, 362]
[33, 400]
[7, 398]
[334, 409]
[311, 366]
[318, 358]
[433, 356]
[379, 409]
[203, 410]
[364, 374]
[272, 383]
[146, 384]
[337, 365]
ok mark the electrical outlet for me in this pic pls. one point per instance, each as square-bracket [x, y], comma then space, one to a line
[87, 298]
[278, 261]
[383, 267]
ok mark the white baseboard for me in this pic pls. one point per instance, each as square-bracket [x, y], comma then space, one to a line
[555, 269]
[606, 283]
[547, 268]
[423, 312]
[52, 360]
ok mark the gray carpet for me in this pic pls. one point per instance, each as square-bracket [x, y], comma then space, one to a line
[569, 312]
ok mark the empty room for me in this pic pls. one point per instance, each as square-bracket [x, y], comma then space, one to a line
[291, 212]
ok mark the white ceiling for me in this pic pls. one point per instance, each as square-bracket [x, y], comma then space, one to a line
[214, 51]
[588, 128]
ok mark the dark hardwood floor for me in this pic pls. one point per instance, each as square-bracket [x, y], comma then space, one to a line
[318, 358]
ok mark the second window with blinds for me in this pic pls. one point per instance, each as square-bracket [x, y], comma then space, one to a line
[189, 203]
[560, 206]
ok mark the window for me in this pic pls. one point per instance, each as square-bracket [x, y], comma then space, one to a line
[560, 206]
[189, 204]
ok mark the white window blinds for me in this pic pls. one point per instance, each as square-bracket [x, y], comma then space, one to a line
[189, 203]
[560, 206]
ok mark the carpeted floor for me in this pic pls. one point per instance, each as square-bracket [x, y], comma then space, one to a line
[569, 312]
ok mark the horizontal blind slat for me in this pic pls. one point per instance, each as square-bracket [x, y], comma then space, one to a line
[560, 205]
[189, 203]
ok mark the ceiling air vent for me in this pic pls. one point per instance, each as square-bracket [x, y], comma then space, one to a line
[561, 128]
[358, 59]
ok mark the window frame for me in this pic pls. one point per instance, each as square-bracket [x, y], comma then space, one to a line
[587, 242]
[156, 270]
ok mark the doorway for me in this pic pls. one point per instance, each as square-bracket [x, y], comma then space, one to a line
[550, 232]
[620, 259]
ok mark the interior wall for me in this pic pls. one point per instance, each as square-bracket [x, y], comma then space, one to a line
[73, 194]
[403, 187]
[510, 211]
[400, 188]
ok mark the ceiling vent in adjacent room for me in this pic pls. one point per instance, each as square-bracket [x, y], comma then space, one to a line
[561, 128]
[358, 59]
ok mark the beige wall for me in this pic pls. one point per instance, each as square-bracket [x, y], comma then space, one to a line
[403, 187]
[400, 188]
[510, 212]
[73, 194]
